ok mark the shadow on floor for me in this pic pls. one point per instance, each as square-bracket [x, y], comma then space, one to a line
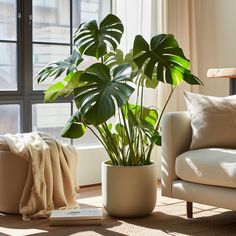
[218, 224]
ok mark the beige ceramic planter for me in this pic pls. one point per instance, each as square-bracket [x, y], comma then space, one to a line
[129, 191]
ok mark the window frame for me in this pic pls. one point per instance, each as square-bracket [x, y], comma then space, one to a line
[25, 95]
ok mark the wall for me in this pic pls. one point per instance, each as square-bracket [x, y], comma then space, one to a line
[216, 42]
[89, 165]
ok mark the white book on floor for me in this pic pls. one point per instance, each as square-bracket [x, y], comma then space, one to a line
[76, 216]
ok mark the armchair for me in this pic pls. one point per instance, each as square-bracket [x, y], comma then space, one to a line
[206, 176]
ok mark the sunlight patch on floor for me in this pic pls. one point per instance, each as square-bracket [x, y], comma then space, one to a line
[93, 201]
[86, 233]
[20, 232]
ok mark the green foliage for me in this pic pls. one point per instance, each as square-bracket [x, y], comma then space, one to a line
[55, 69]
[74, 128]
[165, 58]
[65, 87]
[102, 91]
[92, 40]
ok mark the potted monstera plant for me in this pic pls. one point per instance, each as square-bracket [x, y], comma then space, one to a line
[103, 90]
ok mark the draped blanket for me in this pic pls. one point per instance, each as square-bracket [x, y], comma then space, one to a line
[51, 182]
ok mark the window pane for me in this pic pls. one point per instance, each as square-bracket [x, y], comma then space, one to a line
[51, 21]
[42, 55]
[51, 118]
[8, 74]
[89, 10]
[88, 139]
[9, 119]
[8, 19]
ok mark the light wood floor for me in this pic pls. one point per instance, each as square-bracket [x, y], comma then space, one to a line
[168, 218]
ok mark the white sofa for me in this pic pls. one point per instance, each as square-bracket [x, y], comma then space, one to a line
[206, 176]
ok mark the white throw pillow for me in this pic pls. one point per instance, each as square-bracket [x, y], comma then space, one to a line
[213, 120]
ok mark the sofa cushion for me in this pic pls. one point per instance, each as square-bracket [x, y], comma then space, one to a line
[212, 166]
[213, 120]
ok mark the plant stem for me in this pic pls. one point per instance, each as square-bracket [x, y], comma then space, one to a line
[113, 145]
[106, 146]
[141, 117]
[141, 102]
[132, 153]
[137, 98]
[158, 123]
[122, 144]
[96, 135]
[162, 112]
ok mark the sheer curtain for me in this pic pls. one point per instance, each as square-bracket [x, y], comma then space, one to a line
[150, 17]
[180, 20]
[135, 15]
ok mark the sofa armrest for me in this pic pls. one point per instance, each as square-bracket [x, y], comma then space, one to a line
[176, 139]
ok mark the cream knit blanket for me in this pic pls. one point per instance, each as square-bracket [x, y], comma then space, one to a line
[51, 182]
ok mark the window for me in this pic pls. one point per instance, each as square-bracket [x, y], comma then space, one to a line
[32, 34]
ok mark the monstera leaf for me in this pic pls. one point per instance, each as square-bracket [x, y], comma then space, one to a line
[92, 40]
[117, 57]
[114, 58]
[63, 88]
[74, 127]
[145, 114]
[163, 57]
[55, 69]
[101, 90]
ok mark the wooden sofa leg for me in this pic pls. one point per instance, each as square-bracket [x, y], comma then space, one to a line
[189, 207]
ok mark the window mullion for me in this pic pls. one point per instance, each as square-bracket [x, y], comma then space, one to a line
[20, 70]
[71, 26]
[27, 64]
